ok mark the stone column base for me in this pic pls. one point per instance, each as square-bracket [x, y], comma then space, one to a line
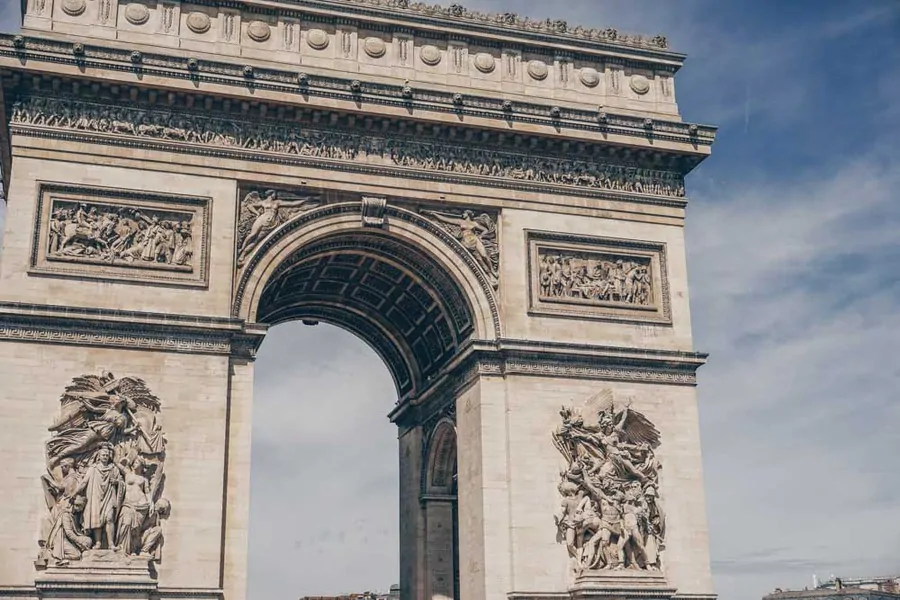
[98, 573]
[621, 585]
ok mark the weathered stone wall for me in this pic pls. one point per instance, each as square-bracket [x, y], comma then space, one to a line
[194, 395]
[94, 169]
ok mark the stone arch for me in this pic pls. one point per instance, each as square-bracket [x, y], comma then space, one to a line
[440, 466]
[440, 508]
[409, 289]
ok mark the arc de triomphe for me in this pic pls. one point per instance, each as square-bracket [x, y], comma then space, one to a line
[495, 204]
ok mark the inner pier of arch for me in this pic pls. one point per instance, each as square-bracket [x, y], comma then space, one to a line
[414, 315]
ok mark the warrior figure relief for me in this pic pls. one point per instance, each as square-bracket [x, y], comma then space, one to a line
[105, 472]
[599, 278]
[610, 516]
[261, 215]
[478, 235]
[120, 235]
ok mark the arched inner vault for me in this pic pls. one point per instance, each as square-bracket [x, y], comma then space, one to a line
[385, 290]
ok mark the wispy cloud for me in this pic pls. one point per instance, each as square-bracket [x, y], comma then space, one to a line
[792, 234]
[796, 295]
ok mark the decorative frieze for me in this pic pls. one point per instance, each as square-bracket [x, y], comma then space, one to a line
[120, 234]
[512, 21]
[463, 161]
[601, 278]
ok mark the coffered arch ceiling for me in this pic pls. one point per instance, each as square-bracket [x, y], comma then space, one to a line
[389, 293]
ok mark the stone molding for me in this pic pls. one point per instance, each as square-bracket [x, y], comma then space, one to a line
[355, 208]
[347, 150]
[454, 24]
[548, 359]
[505, 22]
[151, 205]
[304, 85]
[592, 251]
[74, 326]
[28, 592]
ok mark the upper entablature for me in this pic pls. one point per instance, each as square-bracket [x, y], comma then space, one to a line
[429, 46]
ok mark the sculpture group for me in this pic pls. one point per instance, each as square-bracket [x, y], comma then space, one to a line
[595, 277]
[116, 235]
[105, 473]
[610, 516]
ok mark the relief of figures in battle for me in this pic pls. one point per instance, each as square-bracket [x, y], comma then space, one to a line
[120, 235]
[105, 473]
[260, 215]
[610, 516]
[595, 277]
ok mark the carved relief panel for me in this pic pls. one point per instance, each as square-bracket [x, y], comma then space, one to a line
[104, 233]
[610, 516]
[598, 278]
[105, 475]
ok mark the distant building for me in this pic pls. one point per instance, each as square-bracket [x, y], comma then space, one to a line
[875, 588]
[393, 594]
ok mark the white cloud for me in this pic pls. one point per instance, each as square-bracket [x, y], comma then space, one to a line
[796, 294]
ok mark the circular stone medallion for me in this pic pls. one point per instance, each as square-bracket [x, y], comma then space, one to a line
[375, 47]
[258, 31]
[640, 84]
[538, 70]
[430, 55]
[73, 7]
[590, 77]
[198, 22]
[317, 39]
[484, 62]
[137, 13]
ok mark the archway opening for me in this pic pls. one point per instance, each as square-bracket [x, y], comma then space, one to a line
[412, 313]
[391, 294]
[324, 475]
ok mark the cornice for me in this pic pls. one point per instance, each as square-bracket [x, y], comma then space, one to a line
[31, 54]
[75, 326]
[29, 592]
[550, 359]
[456, 16]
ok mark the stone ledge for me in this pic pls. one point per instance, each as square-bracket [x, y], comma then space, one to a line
[622, 585]
[20, 322]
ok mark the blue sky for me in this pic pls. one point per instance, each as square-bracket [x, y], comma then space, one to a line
[793, 248]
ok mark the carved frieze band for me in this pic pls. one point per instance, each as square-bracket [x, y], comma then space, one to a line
[598, 278]
[107, 233]
[459, 162]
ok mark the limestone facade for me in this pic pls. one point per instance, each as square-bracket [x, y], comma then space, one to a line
[509, 237]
